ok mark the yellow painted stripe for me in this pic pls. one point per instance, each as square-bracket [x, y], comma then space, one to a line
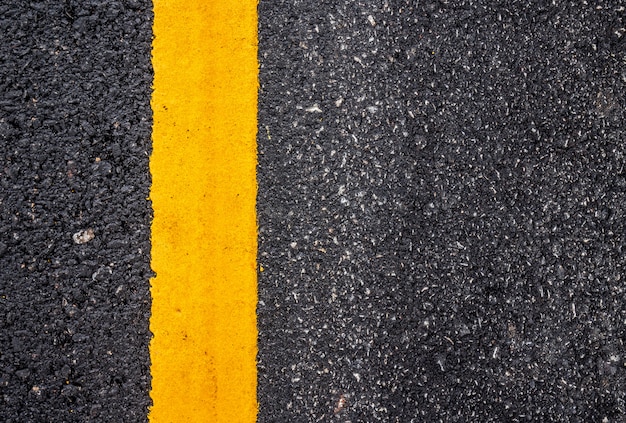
[204, 230]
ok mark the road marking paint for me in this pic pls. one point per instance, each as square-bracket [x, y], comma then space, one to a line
[204, 233]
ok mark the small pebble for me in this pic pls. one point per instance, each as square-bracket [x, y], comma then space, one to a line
[83, 236]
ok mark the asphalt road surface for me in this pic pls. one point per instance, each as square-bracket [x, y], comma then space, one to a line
[75, 123]
[441, 204]
[441, 211]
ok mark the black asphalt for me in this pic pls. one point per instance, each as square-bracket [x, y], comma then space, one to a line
[441, 206]
[441, 211]
[75, 126]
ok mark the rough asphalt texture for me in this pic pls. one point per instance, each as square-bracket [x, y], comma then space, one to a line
[442, 211]
[75, 126]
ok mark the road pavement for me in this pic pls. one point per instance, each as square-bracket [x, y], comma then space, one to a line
[440, 208]
[75, 124]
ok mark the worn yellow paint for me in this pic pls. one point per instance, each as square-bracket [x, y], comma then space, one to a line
[204, 230]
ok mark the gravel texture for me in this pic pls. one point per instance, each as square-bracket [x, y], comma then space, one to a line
[75, 124]
[441, 207]
[441, 211]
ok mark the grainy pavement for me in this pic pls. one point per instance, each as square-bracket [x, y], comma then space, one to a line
[75, 125]
[441, 211]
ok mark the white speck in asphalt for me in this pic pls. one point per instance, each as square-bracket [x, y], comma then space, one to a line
[440, 361]
[313, 109]
[83, 236]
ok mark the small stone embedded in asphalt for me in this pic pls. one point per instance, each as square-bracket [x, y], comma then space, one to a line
[80, 337]
[102, 274]
[72, 168]
[116, 244]
[314, 109]
[420, 142]
[95, 409]
[23, 374]
[84, 236]
[101, 168]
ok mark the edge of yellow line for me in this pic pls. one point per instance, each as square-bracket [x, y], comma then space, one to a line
[204, 231]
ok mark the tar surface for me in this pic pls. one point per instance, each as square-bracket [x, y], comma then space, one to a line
[74, 220]
[441, 211]
[441, 206]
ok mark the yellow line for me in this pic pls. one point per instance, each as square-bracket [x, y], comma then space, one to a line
[204, 230]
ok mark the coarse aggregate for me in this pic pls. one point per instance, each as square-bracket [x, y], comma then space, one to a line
[441, 211]
[75, 121]
[441, 208]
